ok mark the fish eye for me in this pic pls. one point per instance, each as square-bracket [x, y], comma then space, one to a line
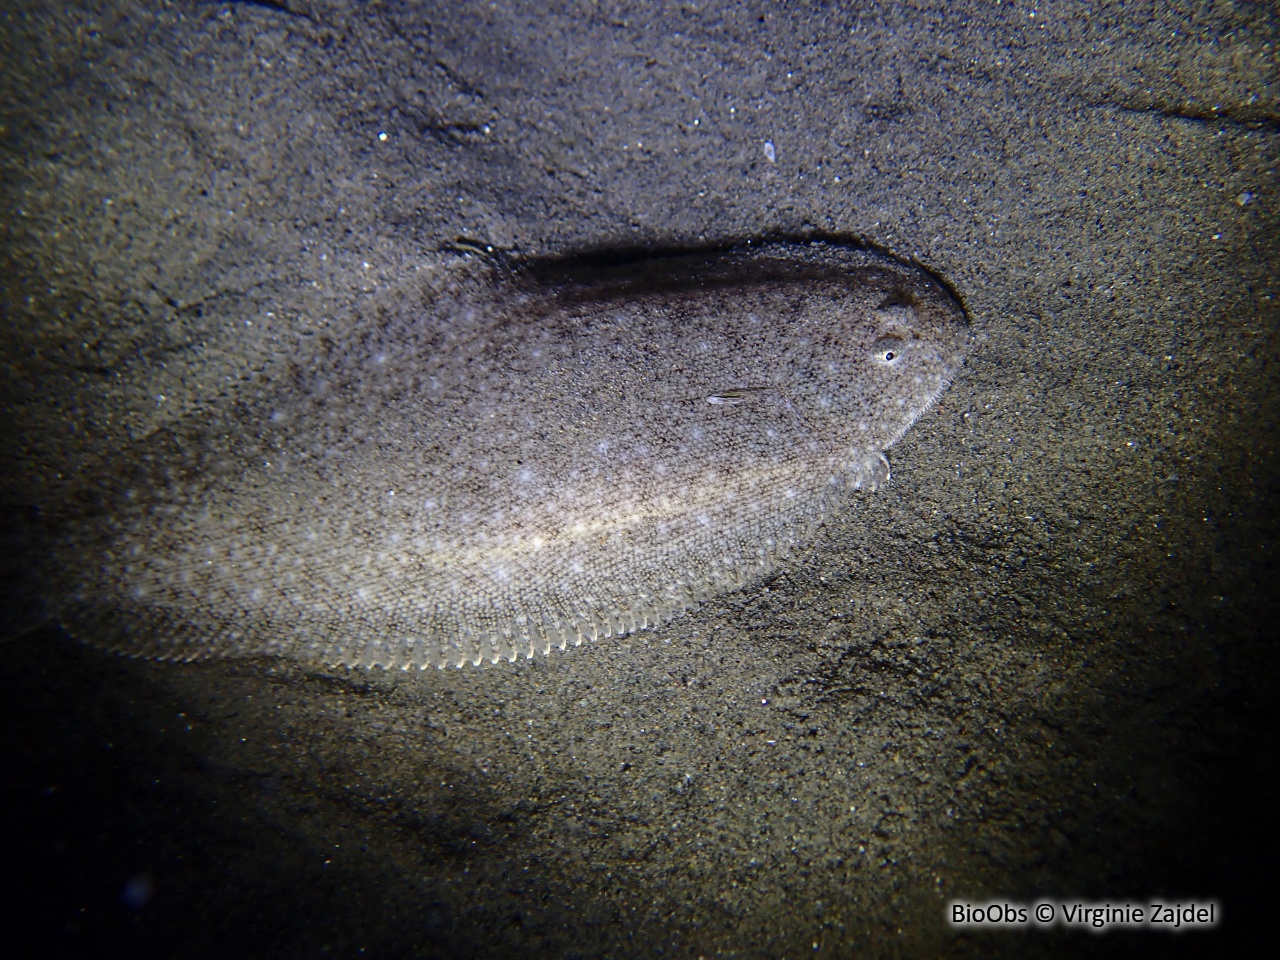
[888, 350]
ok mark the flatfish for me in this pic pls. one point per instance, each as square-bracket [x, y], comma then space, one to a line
[560, 453]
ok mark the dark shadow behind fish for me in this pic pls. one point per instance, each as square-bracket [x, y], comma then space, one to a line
[568, 463]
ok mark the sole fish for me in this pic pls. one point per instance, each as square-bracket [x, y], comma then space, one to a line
[561, 453]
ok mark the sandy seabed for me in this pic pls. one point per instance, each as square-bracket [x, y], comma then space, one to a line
[1037, 664]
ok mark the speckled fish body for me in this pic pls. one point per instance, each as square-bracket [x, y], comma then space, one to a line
[537, 462]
